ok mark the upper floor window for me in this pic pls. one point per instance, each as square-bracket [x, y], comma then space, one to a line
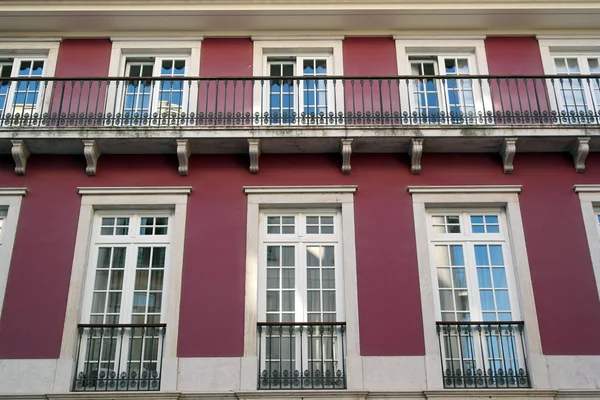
[577, 95]
[301, 89]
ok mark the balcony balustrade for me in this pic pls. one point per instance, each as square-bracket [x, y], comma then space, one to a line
[301, 355]
[119, 357]
[483, 355]
[362, 102]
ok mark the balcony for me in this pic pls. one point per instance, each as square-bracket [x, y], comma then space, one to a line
[119, 357]
[301, 356]
[483, 355]
[301, 114]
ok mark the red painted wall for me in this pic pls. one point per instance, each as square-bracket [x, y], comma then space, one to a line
[226, 97]
[212, 297]
[372, 57]
[516, 56]
[81, 58]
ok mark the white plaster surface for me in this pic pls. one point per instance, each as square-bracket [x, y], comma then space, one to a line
[209, 374]
[27, 376]
[574, 372]
[394, 373]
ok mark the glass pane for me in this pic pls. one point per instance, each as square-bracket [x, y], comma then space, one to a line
[288, 256]
[499, 277]
[484, 278]
[116, 280]
[446, 300]
[98, 301]
[143, 260]
[481, 255]
[329, 301]
[487, 300]
[313, 256]
[158, 257]
[456, 255]
[114, 302]
[328, 256]
[441, 255]
[460, 279]
[101, 282]
[314, 301]
[313, 278]
[496, 255]
[104, 257]
[444, 280]
[272, 301]
[141, 280]
[156, 283]
[502, 300]
[328, 278]
[273, 256]
[272, 278]
[288, 298]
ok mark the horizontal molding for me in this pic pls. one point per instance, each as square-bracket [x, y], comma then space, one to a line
[466, 189]
[15, 191]
[146, 38]
[484, 393]
[586, 188]
[292, 37]
[299, 189]
[450, 37]
[134, 190]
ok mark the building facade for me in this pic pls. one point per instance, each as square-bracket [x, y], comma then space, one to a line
[299, 199]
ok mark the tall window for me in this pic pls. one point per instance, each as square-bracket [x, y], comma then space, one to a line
[299, 100]
[481, 343]
[143, 98]
[445, 99]
[20, 97]
[121, 345]
[2, 217]
[578, 95]
[301, 300]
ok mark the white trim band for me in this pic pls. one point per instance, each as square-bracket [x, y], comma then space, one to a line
[299, 189]
[586, 188]
[13, 191]
[134, 190]
[465, 189]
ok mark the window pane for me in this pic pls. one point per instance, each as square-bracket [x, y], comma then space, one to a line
[481, 255]
[499, 277]
[328, 278]
[288, 256]
[502, 300]
[456, 255]
[496, 255]
[484, 277]
[460, 279]
[487, 300]
[272, 301]
[289, 278]
[328, 301]
[446, 300]
[444, 280]
[272, 278]
[313, 278]
[314, 301]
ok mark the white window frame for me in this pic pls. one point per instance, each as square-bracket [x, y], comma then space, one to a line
[10, 207]
[589, 198]
[40, 50]
[125, 198]
[124, 48]
[505, 197]
[305, 197]
[448, 46]
[578, 46]
[329, 48]
[467, 239]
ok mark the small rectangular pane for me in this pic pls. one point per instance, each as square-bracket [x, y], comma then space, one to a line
[114, 302]
[496, 257]
[288, 300]
[444, 279]
[313, 256]
[101, 282]
[272, 301]
[446, 301]
[329, 301]
[459, 277]
[272, 278]
[484, 278]
[143, 259]
[273, 256]
[441, 256]
[156, 281]
[116, 280]
[139, 303]
[461, 298]
[288, 256]
[502, 301]
[141, 280]
[328, 280]
[314, 300]
[456, 255]
[487, 300]
[328, 256]
[499, 278]
[481, 255]
[313, 278]
[98, 302]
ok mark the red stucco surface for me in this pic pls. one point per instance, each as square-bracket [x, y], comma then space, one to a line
[212, 302]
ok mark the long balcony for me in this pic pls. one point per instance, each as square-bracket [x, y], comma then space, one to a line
[483, 355]
[119, 357]
[380, 113]
[301, 356]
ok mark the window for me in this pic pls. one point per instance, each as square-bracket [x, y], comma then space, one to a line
[125, 285]
[10, 206]
[577, 95]
[145, 97]
[453, 96]
[481, 322]
[301, 318]
[300, 88]
[589, 197]
[292, 100]
[443, 93]
[21, 97]
[155, 88]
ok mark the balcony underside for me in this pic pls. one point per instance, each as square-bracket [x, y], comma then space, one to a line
[148, 140]
[501, 17]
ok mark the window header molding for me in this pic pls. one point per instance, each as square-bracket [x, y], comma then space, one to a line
[295, 37]
[449, 38]
[16, 191]
[465, 189]
[299, 189]
[152, 39]
[586, 188]
[111, 191]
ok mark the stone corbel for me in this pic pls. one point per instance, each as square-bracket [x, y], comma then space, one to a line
[415, 151]
[346, 154]
[254, 152]
[580, 151]
[91, 153]
[183, 155]
[20, 154]
[508, 150]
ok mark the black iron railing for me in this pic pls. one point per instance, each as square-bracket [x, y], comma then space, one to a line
[301, 355]
[479, 355]
[119, 357]
[304, 101]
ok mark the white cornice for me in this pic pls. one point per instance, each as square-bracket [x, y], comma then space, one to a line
[147, 38]
[299, 189]
[134, 190]
[295, 37]
[466, 189]
[32, 39]
[449, 37]
[586, 188]
[15, 191]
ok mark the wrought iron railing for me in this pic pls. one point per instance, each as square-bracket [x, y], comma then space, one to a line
[119, 357]
[301, 355]
[479, 355]
[304, 101]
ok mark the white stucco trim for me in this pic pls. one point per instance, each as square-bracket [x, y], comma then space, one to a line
[335, 196]
[465, 189]
[47, 48]
[589, 198]
[510, 202]
[299, 189]
[10, 207]
[115, 198]
[134, 190]
[553, 44]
